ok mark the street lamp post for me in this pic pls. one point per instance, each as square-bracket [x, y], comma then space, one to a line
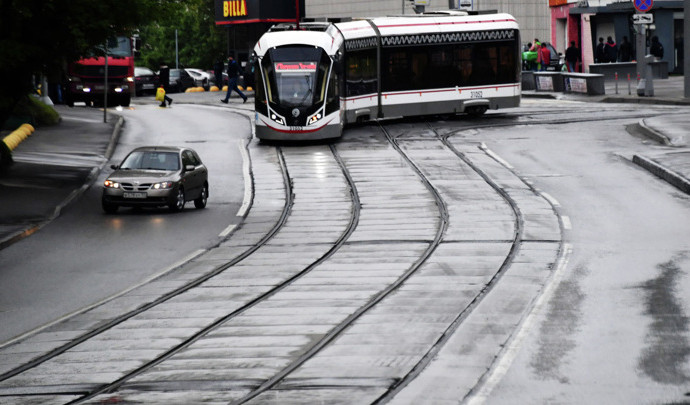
[686, 48]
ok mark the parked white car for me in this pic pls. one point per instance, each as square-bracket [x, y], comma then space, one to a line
[201, 78]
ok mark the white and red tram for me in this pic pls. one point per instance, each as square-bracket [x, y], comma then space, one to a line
[312, 81]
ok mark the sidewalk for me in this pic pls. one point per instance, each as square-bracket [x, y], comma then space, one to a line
[56, 164]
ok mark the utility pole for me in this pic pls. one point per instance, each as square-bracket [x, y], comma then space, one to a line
[686, 47]
[177, 57]
[105, 85]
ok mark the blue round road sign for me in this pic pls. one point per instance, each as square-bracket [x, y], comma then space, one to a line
[643, 5]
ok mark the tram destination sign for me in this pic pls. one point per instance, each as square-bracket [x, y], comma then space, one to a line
[257, 11]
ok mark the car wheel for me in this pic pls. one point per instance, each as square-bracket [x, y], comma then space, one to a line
[203, 197]
[178, 203]
[109, 208]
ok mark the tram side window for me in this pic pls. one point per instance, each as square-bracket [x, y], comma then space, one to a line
[361, 72]
[448, 65]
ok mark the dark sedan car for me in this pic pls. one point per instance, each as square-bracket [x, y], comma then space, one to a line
[145, 81]
[180, 81]
[156, 176]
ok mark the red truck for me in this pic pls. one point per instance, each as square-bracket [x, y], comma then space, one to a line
[86, 77]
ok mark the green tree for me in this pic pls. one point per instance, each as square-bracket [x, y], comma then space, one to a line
[42, 36]
[200, 41]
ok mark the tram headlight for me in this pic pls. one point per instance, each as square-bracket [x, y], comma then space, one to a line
[277, 118]
[314, 118]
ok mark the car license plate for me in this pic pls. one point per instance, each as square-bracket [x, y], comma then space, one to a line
[134, 195]
[147, 86]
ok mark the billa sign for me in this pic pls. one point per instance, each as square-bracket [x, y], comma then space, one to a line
[255, 11]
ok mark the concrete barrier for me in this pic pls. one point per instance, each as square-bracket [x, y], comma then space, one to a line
[548, 81]
[584, 83]
[609, 70]
[528, 80]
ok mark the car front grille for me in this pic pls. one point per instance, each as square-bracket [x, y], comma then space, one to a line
[135, 187]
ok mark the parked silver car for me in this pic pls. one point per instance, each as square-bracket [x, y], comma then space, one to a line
[157, 176]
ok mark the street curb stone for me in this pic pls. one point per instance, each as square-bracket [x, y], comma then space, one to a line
[662, 172]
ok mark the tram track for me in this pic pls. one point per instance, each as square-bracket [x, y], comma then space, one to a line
[112, 324]
[194, 283]
[387, 282]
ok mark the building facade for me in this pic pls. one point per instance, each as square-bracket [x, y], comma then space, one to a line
[586, 21]
[533, 16]
[248, 19]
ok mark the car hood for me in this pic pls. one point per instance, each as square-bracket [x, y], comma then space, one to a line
[143, 176]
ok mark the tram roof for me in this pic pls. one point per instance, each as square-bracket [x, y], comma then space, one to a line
[427, 23]
[325, 35]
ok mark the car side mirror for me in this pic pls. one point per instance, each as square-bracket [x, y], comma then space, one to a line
[114, 167]
[189, 168]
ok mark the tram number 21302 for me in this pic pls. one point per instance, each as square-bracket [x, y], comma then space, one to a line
[477, 94]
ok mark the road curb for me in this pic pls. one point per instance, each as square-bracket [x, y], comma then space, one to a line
[664, 173]
[653, 133]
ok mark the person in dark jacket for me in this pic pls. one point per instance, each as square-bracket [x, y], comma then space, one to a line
[611, 50]
[233, 76]
[599, 53]
[625, 51]
[657, 50]
[218, 72]
[572, 57]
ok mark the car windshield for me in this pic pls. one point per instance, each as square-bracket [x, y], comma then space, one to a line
[142, 71]
[151, 160]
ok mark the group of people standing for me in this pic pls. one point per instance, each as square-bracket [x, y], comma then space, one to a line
[609, 52]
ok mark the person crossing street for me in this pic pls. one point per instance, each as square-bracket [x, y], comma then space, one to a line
[233, 76]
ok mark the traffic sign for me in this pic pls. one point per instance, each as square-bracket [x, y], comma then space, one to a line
[643, 5]
[643, 18]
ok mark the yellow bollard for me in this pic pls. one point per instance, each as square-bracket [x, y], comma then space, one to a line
[29, 127]
[214, 88]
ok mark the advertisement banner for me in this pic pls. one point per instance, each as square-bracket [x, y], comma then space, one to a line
[255, 11]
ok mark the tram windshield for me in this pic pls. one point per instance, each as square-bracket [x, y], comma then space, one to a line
[295, 76]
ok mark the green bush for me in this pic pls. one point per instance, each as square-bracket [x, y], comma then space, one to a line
[31, 110]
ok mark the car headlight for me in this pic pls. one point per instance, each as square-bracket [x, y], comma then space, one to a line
[111, 184]
[162, 185]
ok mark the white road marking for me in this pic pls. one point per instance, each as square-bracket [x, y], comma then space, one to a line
[227, 230]
[501, 369]
[247, 180]
[552, 200]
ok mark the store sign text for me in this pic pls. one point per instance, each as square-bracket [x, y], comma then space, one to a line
[234, 8]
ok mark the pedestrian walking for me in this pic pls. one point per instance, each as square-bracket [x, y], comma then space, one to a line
[611, 50]
[162, 97]
[572, 57]
[625, 51]
[599, 53]
[233, 76]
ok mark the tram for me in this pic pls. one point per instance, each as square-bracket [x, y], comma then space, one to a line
[313, 80]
